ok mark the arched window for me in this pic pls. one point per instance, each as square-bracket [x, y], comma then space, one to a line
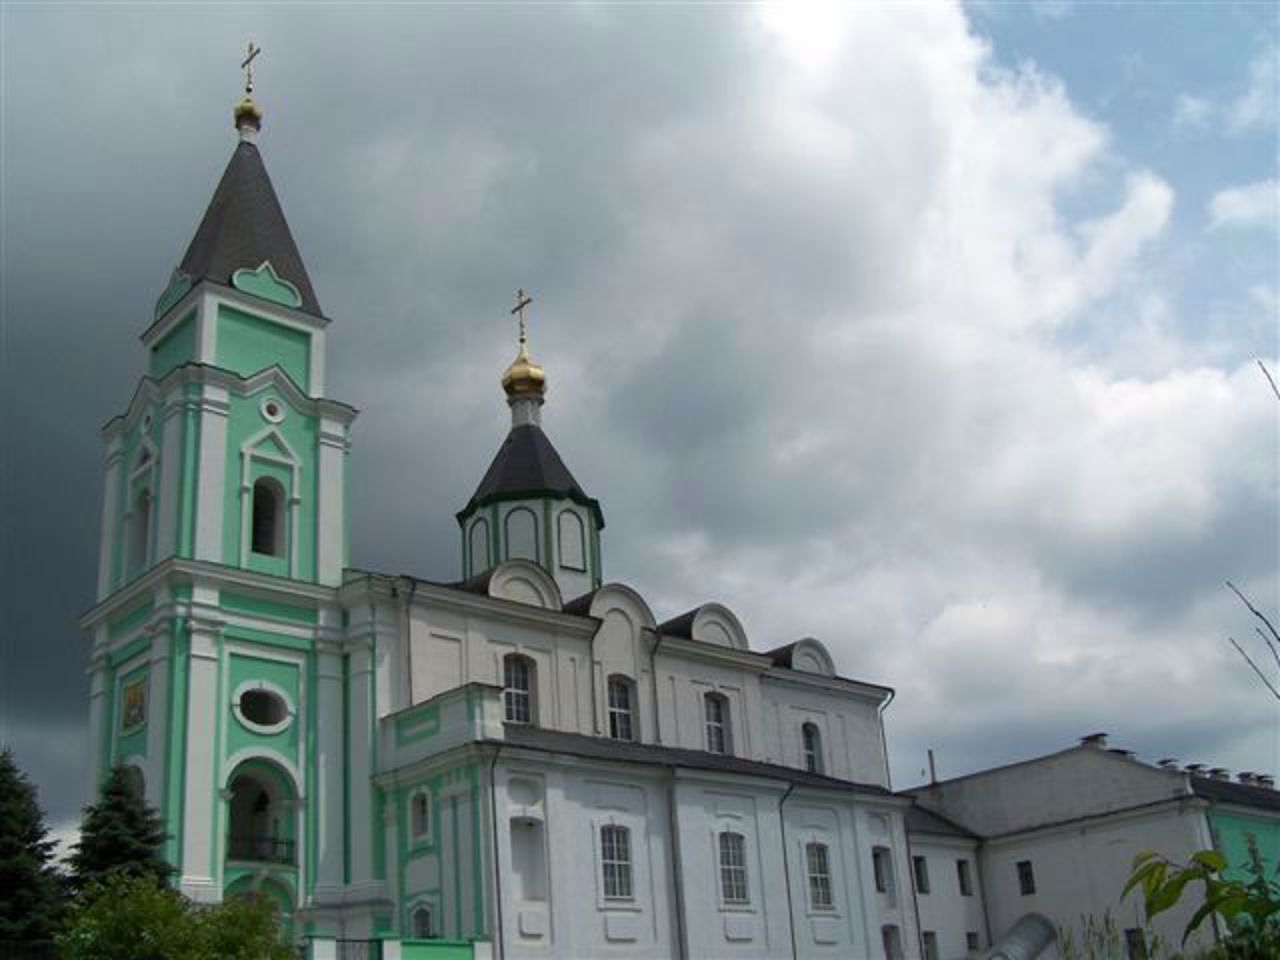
[733, 868]
[621, 708]
[811, 746]
[715, 711]
[517, 688]
[479, 544]
[268, 518]
[139, 532]
[615, 862]
[522, 535]
[259, 818]
[420, 815]
[573, 546]
[422, 922]
[818, 867]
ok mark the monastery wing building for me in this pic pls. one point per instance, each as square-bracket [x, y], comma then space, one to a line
[527, 756]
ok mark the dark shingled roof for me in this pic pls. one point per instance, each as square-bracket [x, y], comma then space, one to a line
[244, 226]
[920, 820]
[600, 748]
[681, 626]
[528, 465]
[1228, 791]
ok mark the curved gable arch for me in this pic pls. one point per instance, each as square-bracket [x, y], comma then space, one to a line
[716, 623]
[811, 656]
[523, 581]
[619, 596]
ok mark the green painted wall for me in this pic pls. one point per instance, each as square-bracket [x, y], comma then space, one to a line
[247, 344]
[177, 347]
[436, 950]
[1231, 832]
[245, 423]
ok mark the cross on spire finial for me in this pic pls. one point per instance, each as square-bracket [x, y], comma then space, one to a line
[522, 300]
[247, 66]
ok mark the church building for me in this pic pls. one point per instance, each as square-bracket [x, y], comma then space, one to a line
[527, 754]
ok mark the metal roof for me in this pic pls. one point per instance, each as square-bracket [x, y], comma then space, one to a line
[528, 465]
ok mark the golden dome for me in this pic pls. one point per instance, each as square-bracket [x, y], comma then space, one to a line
[524, 377]
[248, 112]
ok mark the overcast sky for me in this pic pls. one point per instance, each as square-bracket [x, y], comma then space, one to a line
[928, 330]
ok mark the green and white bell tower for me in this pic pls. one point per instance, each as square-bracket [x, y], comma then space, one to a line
[218, 672]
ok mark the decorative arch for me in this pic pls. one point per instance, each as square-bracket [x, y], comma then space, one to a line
[262, 812]
[571, 540]
[716, 623]
[523, 581]
[619, 596]
[811, 656]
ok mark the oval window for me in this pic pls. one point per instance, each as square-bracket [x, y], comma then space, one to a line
[263, 708]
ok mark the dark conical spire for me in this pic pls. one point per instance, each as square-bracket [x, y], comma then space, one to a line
[245, 226]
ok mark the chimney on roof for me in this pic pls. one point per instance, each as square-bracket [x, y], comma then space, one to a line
[1194, 768]
[1120, 752]
[1220, 773]
[1094, 740]
[1168, 763]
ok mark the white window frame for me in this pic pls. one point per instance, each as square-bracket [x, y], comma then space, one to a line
[718, 731]
[512, 695]
[619, 716]
[811, 747]
[819, 876]
[734, 881]
[620, 866]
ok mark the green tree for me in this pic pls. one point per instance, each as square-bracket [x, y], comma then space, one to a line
[31, 893]
[119, 834]
[138, 917]
[1251, 907]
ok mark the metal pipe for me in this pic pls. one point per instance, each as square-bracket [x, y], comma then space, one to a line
[497, 873]
[677, 872]
[786, 868]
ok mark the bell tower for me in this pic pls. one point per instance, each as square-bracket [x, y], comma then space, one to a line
[528, 505]
[217, 670]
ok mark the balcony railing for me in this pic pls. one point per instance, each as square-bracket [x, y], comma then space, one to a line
[260, 849]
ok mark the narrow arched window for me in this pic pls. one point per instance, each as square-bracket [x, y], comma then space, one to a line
[479, 545]
[573, 544]
[715, 710]
[140, 532]
[517, 688]
[621, 708]
[422, 922]
[522, 535]
[268, 518]
[615, 862]
[811, 746]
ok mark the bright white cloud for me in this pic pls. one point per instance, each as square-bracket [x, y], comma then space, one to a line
[1255, 109]
[1251, 205]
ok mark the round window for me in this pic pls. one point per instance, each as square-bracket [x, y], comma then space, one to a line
[272, 410]
[263, 707]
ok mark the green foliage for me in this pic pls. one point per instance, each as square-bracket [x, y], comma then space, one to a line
[137, 917]
[30, 887]
[120, 833]
[1250, 908]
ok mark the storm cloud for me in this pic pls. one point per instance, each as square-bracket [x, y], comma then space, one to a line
[828, 327]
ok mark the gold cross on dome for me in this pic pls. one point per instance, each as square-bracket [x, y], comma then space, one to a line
[247, 66]
[522, 301]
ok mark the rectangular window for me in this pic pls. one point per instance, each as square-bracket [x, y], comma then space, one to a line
[714, 710]
[818, 866]
[1135, 944]
[615, 861]
[966, 881]
[620, 709]
[733, 868]
[971, 941]
[517, 677]
[1026, 878]
[920, 866]
[882, 869]
[930, 939]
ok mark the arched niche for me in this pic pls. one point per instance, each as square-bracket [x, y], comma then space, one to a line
[524, 582]
[716, 623]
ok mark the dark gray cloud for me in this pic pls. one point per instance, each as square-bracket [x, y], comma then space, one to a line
[819, 336]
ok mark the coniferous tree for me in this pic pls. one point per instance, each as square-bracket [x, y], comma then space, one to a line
[119, 834]
[30, 888]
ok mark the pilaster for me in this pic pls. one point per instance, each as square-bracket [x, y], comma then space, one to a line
[167, 505]
[330, 528]
[198, 868]
[329, 803]
[210, 474]
[113, 469]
